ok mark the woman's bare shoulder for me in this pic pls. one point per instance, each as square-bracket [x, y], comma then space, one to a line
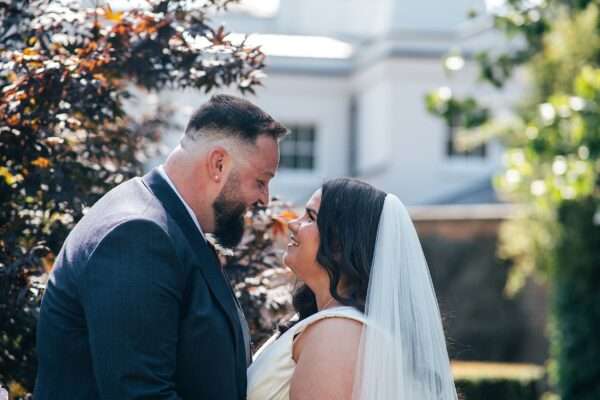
[326, 354]
[331, 334]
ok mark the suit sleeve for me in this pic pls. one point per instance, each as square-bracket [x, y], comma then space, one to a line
[131, 295]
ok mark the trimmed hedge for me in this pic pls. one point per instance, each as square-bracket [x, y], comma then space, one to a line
[575, 302]
[495, 381]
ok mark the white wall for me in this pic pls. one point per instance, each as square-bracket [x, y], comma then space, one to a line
[356, 18]
[323, 101]
[430, 15]
[401, 147]
[399, 134]
[375, 126]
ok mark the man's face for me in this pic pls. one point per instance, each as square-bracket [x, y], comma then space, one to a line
[247, 185]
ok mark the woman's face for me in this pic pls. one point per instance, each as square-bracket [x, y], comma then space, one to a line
[301, 254]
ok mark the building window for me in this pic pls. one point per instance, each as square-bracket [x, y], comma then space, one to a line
[298, 148]
[452, 150]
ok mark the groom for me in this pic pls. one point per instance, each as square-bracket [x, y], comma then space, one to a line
[137, 306]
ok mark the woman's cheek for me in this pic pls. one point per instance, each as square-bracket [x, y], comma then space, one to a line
[288, 259]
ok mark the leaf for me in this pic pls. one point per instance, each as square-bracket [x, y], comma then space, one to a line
[21, 95]
[101, 78]
[41, 162]
[114, 16]
[288, 215]
[219, 36]
[8, 177]
[48, 262]
[280, 222]
[35, 65]
[16, 390]
[279, 227]
[14, 120]
[30, 51]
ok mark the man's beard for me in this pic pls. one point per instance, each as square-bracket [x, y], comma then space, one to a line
[229, 216]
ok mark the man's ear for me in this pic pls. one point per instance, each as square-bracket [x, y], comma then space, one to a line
[218, 162]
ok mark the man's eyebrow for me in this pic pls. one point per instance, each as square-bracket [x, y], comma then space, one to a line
[270, 174]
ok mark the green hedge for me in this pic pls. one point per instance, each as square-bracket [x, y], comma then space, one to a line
[495, 381]
[575, 302]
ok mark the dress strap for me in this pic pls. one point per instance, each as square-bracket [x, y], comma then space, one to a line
[335, 312]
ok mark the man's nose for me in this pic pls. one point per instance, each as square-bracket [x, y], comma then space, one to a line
[264, 197]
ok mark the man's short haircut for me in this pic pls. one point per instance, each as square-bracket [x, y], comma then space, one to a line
[235, 117]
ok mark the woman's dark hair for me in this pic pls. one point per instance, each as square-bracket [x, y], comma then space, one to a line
[348, 220]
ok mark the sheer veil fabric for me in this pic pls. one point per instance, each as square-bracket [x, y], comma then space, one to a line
[403, 353]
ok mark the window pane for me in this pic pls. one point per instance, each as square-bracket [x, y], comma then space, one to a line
[306, 134]
[298, 148]
[304, 148]
[287, 162]
[305, 162]
[288, 147]
[452, 151]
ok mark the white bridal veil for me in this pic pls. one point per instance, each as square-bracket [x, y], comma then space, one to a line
[403, 353]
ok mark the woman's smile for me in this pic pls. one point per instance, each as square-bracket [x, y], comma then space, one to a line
[293, 241]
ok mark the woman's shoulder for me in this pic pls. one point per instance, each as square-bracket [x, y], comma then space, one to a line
[326, 354]
[335, 329]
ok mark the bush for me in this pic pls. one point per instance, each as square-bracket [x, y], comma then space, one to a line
[576, 302]
[64, 137]
[260, 281]
[490, 381]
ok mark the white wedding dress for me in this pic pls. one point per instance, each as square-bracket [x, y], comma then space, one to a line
[270, 374]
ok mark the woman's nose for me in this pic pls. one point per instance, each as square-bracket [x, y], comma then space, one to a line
[293, 225]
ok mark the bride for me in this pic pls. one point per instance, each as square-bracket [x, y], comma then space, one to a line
[368, 325]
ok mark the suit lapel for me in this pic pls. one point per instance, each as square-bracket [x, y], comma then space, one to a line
[210, 269]
[245, 329]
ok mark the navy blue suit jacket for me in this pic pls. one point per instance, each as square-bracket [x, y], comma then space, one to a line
[137, 306]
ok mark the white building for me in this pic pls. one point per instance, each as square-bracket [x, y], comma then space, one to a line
[349, 78]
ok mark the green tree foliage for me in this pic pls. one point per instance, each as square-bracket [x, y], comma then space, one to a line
[551, 168]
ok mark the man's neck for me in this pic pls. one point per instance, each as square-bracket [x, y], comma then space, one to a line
[195, 204]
